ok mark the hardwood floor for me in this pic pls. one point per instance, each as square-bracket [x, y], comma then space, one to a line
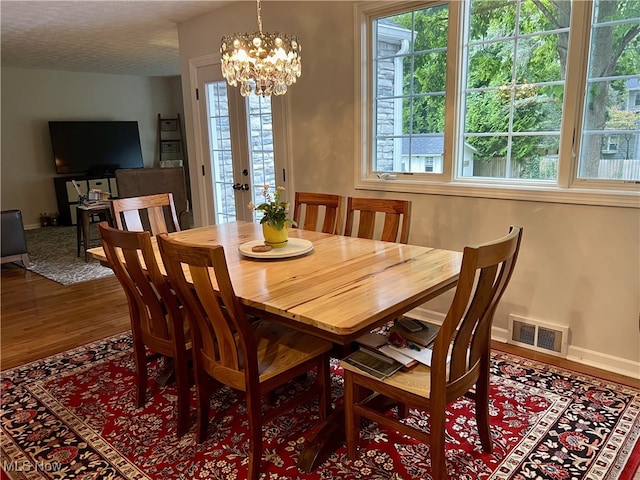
[41, 318]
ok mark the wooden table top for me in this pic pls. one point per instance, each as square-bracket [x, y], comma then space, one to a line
[343, 288]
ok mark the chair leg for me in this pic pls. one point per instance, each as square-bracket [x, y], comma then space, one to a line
[351, 419]
[482, 410]
[437, 445]
[141, 370]
[202, 398]
[255, 435]
[183, 385]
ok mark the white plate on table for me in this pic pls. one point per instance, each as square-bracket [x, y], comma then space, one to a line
[294, 248]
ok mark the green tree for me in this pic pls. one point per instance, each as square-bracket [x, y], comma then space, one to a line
[541, 57]
[614, 51]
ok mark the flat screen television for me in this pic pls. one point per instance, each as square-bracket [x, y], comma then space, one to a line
[95, 148]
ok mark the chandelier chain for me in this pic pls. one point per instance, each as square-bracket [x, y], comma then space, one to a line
[259, 7]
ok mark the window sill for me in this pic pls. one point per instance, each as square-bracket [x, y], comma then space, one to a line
[533, 193]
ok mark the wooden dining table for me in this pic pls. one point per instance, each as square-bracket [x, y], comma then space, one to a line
[341, 288]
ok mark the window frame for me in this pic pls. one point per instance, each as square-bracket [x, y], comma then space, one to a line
[568, 188]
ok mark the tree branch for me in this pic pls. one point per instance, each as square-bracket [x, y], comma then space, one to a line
[545, 11]
[628, 37]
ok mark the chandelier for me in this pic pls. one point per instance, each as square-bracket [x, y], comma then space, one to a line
[264, 63]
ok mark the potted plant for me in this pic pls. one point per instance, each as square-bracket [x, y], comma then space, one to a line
[275, 221]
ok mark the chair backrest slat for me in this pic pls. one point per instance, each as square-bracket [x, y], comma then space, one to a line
[396, 213]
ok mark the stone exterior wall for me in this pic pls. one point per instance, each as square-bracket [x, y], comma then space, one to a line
[385, 108]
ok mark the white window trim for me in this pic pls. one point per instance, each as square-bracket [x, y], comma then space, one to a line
[567, 189]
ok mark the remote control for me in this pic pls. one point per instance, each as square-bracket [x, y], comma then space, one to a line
[410, 324]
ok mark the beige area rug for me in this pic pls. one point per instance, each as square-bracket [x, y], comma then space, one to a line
[53, 254]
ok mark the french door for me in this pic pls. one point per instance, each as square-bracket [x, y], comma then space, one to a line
[244, 140]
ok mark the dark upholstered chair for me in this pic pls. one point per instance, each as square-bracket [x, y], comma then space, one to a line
[138, 182]
[13, 241]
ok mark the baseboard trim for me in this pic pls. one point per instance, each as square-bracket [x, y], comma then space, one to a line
[603, 361]
[575, 354]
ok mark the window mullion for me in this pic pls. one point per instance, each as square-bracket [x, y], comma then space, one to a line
[453, 117]
[576, 76]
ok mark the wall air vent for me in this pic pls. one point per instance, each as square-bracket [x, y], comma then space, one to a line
[536, 335]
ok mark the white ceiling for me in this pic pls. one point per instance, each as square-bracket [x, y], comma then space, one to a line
[126, 37]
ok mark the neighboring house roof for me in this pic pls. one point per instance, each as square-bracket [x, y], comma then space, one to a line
[432, 145]
[633, 83]
[424, 145]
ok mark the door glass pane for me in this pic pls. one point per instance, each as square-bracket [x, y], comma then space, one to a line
[220, 152]
[261, 153]
[610, 147]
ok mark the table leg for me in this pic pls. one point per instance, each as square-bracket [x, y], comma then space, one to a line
[168, 372]
[330, 435]
[86, 220]
[325, 440]
[78, 230]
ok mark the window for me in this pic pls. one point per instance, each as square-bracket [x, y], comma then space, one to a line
[513, 90]
[409, 120]
[261, 153]
[470, 96]
[220, 151]
[259, 127]
[613, 70]
[610, 144]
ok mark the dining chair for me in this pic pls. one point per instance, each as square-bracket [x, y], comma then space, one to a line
[145, 213]
[157, 319]
[396, 214]
[460, 359]
[254, 357]
[310, 206]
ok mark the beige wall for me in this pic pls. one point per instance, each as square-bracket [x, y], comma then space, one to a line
[579, 265]
[30, 98]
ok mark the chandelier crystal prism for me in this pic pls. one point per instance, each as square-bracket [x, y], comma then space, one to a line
[261, 63]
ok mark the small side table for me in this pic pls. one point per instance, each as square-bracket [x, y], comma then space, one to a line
[84, 214]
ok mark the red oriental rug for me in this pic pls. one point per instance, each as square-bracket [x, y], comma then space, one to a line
[73, 416]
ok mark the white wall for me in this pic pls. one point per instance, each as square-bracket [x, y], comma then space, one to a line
[579, 265]
[30, 98]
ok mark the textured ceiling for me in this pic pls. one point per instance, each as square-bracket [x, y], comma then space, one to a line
[117, 37]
